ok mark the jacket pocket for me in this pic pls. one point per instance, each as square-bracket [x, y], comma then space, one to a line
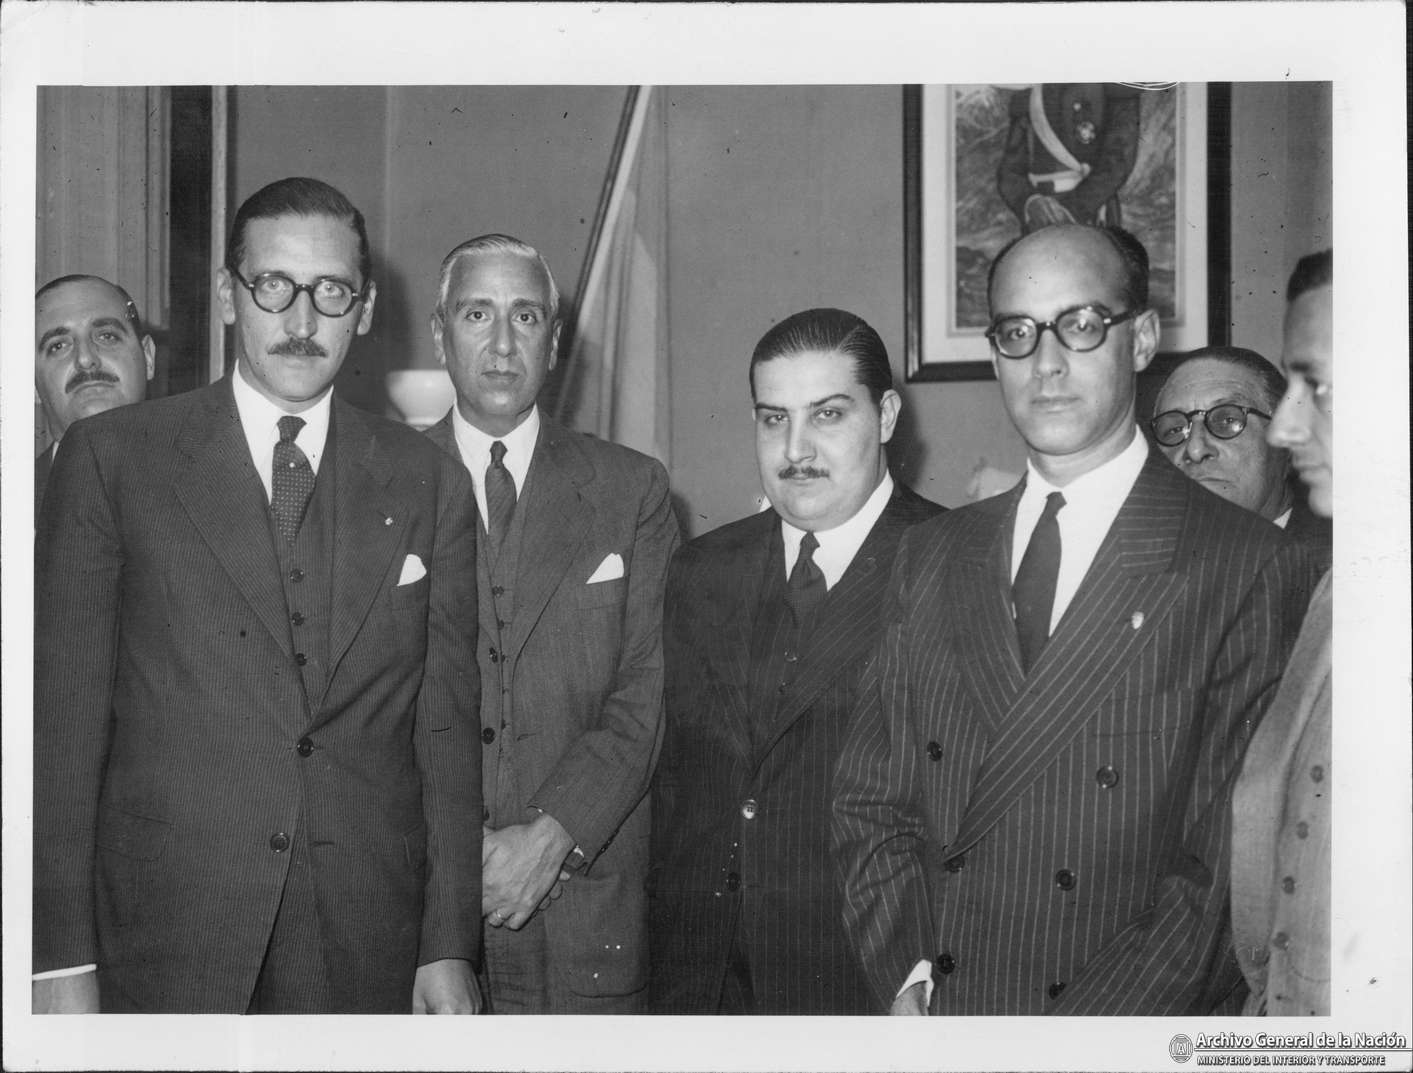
[128, 845]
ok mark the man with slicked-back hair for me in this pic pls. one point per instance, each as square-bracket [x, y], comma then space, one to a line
[770, 622]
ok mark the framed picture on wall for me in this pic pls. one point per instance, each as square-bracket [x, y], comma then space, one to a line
[984, 163]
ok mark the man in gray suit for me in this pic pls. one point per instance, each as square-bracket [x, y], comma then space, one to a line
[1032, 814]
[578, 536]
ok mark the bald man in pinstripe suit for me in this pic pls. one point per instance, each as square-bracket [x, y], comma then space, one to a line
[1032, 814]
[769, 622]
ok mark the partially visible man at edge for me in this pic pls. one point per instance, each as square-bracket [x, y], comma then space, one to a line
[1281, 810]
[1211, 417]
[256, 768]
[769, 623]
[90, 355]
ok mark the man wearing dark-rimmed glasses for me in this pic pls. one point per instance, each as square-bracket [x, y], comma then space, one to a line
[1031, 809]
[257, 769]
[1211, 418]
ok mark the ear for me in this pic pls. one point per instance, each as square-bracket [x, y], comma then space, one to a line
[554, 342]
[438, 347]
[149, 351]
[365, 315]
[1146, 334]
[889, 407]
[225, 295]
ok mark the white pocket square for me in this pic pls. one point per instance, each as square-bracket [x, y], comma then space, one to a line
[412, 570]
[609, 570]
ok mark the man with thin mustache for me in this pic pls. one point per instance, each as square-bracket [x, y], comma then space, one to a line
[90, 355]
[256, 767]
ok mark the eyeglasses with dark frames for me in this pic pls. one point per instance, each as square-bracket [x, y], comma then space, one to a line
[274, 292]
[1225, 422]
[1080, 329]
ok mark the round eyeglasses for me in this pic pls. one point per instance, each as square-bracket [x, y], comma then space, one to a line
[274, 292]
[1080, 329]
[1225, 422]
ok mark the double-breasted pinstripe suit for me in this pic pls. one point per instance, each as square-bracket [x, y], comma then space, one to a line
[742, 793]
[180, 760]
[1058, 841]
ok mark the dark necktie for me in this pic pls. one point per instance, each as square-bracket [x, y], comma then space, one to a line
[291, 479]
[1033, 592]
[805, 590]
[500, 497]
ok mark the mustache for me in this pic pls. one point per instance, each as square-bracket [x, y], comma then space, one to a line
[90, 376]
[793, 472]
[299, 348]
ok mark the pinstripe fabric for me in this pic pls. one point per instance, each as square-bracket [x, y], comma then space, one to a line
[579, 675]
[1062, 837]
[766, 882]
[169, 705]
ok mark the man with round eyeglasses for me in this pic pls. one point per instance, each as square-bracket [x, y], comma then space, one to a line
[257, 769]
[1031, 809]
[1211, 419]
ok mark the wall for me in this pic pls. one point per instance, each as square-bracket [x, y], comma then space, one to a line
[780, 198]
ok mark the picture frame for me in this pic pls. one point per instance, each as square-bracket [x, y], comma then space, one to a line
[1176, 199]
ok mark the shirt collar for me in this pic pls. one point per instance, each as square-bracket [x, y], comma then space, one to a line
[838, 546]
[475, 447]
[260, 419]
[1102, 489]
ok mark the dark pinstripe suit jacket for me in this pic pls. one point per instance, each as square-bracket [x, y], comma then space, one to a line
[168, 705]
[582, 674]
[1058, 842]
[768, 880]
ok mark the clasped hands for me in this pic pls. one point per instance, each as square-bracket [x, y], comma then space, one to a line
[522, 870]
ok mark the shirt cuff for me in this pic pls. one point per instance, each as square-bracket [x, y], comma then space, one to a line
[922, 973]
[54, 974]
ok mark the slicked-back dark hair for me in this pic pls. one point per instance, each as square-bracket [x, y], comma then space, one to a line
[1311, 271]
[129, 305]
[1271, 380]
[298, 197]
[829, 331]
[1133, 258]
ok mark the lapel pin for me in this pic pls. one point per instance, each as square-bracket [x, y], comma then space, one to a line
[388, 521]
[1137, 620]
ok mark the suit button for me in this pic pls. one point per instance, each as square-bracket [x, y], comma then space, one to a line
[1280, 940]
[1288, 884]
[1064, 879]
[488, 735]
[1055, 989]
[301, 658]
[305, 747]
[497, 590]
[956, 864]
[791, 657]
[1107, 777]
[297, 618]
[280, 842]
[733, 881]
[934, 751]
[296, 575]
[1302, 830]
[946, 964]
[748, 808]
[495, 656]
[1317, 773]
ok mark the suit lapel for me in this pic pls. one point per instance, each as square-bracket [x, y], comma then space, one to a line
[368, 525]
[731, 630]
[1130, 587]
[848, 622]
[556, 521]
[217, 485]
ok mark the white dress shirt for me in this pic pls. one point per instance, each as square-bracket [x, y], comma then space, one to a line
[260, 419]
[475, 449]
[1092, 502]
[838, 546]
